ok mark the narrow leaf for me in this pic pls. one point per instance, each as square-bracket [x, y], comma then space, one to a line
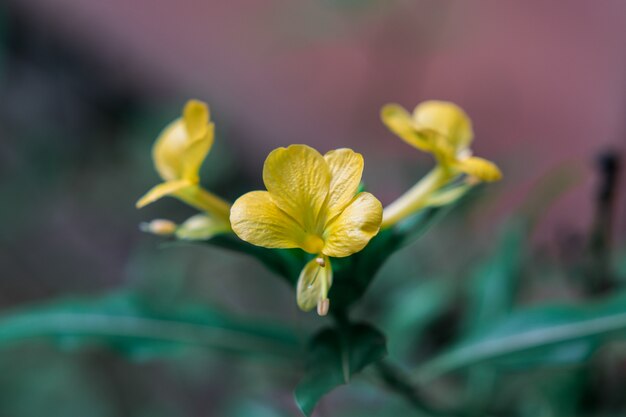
[541, 335]
[125, 322]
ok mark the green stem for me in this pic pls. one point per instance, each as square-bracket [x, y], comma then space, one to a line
[396, 380]
[204, 200]
[416, 197]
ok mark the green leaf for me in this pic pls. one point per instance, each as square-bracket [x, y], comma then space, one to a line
[353, 275]
[546, 335]
[129, 324]
[494, 284]
[409, 310]
[334, 355]
[492, 292]
[286, 263]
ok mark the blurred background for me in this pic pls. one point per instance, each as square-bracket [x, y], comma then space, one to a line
[86, 86]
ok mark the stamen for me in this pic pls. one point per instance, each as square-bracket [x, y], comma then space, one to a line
[323, 306]
[320, 261]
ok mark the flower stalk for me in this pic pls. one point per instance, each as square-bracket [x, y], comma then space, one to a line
[416, 198]
[205, 201]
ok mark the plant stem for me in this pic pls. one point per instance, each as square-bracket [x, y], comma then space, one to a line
[600, 276]
[204, 200]
[415, 198]
[398, 381]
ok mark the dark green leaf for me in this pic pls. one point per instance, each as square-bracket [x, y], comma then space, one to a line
[353, 275]
[286, 263]
[546, 335]
[334, 355]
[494, 284]
[125, 322]
[492, 292]
[410, 309]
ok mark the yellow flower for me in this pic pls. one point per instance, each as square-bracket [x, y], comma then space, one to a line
[444, 130]
[311, 203]
[178, 153]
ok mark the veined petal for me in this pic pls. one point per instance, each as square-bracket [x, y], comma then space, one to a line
[162, 190]
[399, 121]
[480, 168]
[354, 227]
[255, 218]
[298, 181]
[447, 119]
[313, 284]
[200, 227]
[346, 169]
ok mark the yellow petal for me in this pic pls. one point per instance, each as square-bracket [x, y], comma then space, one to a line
[196, 117]
[200, 227]
[354, 227]
[184, 144]
[346, 169]
[256, 219]
[480, 168]
[162, 190]
[313, 284]
[399, 121]
[447, 119]
[168, 149]
[298, 180]
[195, 153]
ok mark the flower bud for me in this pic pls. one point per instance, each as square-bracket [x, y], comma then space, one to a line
[160, 227]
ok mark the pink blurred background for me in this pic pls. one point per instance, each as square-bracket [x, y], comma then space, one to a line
[544, 81]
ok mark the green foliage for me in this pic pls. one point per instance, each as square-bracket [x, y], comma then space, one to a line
[493, 287]
[133, 326]
[410, 310]
[352, 275]
[536, 336]
[334, 355]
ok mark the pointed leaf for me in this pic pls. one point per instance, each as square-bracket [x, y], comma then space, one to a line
[127, 323]
[334, 355]
[546, 335]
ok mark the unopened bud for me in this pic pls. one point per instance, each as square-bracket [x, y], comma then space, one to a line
[159, 227]
[323, 306]
[320, 261]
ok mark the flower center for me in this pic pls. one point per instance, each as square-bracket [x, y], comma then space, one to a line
[313, 244]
